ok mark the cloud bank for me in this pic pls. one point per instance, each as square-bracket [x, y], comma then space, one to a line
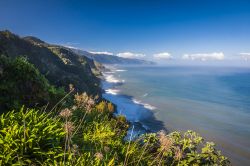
[245, 56]
[101, 52]
[163, 55]
[130, 55]
[204, 56]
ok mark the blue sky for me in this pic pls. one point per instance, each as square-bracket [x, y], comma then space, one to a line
[170, 29]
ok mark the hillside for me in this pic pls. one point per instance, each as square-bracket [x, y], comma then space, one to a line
[60, 65]
[111, 59]
[22, 84]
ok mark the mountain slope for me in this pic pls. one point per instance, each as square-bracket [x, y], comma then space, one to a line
[110, 59]
[60, 65]
[22, 84]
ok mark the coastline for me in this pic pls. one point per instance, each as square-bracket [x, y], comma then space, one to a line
[198, 116]
[140, 115]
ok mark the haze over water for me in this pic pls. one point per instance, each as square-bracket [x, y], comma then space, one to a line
[214, 101]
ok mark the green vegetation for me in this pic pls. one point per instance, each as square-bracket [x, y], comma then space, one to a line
[29, 136]
[87, 134]
[76, 128]
[22, 84]
[58, 64]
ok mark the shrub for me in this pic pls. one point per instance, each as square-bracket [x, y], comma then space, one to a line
[183, 149]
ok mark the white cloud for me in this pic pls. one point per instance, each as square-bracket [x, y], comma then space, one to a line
[245, 56]
[130, 55]
[71, 47]
[163, 55]
[101, 52]
[204, 56]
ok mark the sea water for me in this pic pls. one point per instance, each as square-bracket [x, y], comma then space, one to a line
[213, 101]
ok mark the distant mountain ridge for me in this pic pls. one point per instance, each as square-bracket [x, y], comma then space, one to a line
[111, 59]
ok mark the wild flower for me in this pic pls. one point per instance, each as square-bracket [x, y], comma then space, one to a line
[69, 127]
[110, 107]
[84, 101]
[65, 113]
[99, 155]
[165, 141]
[91, 102]
[81, 99]
[178, 153]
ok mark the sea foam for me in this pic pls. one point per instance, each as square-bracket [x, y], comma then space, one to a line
[119, 70]
[145, 105]
[112, 91]
[112, 79]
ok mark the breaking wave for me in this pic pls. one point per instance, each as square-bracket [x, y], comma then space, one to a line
[145, 105]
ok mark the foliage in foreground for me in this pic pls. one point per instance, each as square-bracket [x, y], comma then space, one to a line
[87, 133]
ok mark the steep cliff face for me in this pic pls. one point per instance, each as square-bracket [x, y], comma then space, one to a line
[60, 65]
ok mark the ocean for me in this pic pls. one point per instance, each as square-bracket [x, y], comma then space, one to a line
[213, 101]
